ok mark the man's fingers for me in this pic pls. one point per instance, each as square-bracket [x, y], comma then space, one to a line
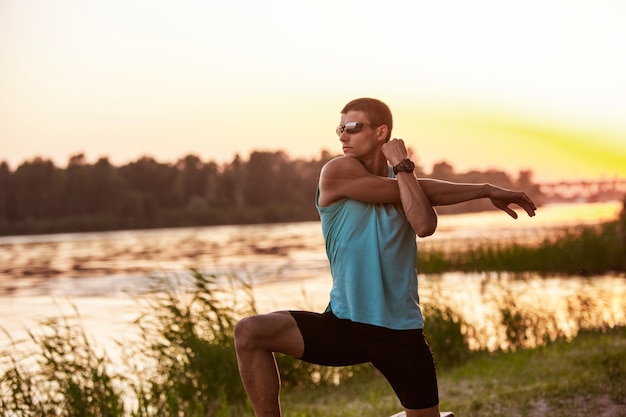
[529, 206]
[530, 211]
[511, 212]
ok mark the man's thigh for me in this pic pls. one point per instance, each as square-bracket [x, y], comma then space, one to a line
[328, 340]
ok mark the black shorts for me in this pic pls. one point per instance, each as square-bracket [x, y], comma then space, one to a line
[402, 356]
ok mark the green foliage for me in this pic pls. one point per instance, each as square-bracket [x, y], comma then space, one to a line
[183, 364]
[565, 378]
[613, 367]
[188, 340]
[524, 325]
[297, 374]
[66, 378]
[444, 330]
[584, 250]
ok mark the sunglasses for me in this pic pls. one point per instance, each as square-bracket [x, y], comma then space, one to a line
[351, 127]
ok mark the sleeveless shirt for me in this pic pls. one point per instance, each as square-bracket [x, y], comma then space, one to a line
[372, 252]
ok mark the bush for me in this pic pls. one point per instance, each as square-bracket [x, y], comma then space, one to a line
[443, 328]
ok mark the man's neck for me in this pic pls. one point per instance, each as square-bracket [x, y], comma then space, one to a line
[377, 166]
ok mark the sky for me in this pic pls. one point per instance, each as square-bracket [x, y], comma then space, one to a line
[487, 84]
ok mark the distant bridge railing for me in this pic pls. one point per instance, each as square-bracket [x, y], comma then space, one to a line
[615, 188]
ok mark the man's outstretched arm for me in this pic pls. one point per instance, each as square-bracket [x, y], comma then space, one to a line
[443, 193]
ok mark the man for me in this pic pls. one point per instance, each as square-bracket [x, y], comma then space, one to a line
[372, 206]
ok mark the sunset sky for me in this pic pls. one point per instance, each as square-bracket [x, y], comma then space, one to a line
[537, 85]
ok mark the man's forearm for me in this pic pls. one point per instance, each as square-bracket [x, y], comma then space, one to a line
[416, 205]
[443, 193]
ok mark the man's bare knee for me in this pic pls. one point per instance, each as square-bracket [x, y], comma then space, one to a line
[254, 331]
[275, 332]
[245, 333]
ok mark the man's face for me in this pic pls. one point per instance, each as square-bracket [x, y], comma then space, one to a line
[359, 138]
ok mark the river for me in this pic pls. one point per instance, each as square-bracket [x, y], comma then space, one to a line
[102, 275]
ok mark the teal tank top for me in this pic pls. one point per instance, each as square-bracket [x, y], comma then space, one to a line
[372, 251]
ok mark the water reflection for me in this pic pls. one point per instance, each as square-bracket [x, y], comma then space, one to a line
[534, 308]
[37, 265]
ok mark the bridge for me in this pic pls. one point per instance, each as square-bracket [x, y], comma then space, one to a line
[614, 189]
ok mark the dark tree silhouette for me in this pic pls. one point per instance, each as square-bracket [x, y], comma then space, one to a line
[39, 197]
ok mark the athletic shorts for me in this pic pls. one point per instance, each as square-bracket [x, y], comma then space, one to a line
[402, 356]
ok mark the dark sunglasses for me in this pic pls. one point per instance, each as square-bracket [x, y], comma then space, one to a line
[351, 127]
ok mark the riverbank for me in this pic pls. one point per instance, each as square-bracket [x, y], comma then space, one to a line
[181, 360]
[581, 378]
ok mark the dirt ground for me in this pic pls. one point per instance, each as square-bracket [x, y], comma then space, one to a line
[595, 406]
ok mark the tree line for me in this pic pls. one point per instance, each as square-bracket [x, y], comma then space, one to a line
[268, 187]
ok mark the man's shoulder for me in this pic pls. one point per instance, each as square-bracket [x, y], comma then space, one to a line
[341, 161]
[336, 179]
[342, 165]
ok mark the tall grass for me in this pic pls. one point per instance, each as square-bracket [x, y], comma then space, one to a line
[583, 250]
[182, 363]
[187, 365]
[445, 331]
[67, 377]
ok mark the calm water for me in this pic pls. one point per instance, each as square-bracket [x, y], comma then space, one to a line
[102, 274]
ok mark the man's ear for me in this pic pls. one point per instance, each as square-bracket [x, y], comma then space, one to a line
[382, 132]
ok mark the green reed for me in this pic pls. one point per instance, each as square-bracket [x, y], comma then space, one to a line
[584, 250]
[66, 377]
[185, 357]
[445, 330]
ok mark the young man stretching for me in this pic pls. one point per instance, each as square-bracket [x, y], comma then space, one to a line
[372, 206]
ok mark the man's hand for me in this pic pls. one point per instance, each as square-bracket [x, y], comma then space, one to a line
[502, 199]
[395, 151]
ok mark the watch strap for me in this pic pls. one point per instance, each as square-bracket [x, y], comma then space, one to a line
[406, 165]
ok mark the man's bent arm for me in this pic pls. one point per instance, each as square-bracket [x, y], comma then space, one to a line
[346, 177]
[417, 206]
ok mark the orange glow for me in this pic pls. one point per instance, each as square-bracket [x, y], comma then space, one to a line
[216, 79]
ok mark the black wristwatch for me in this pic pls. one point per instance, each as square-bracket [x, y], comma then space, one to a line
[406, 165]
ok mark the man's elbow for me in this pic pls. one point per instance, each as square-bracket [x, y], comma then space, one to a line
[425, 232]
[425, 229]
